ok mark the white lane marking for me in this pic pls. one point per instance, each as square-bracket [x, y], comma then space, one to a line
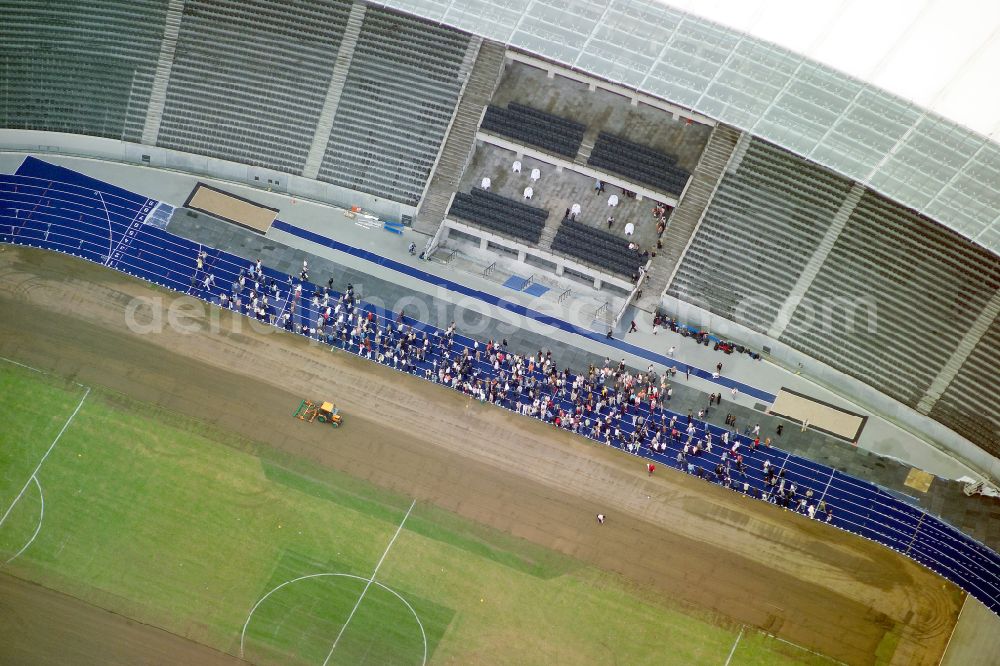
[42, 461]
[111, 233]
[365, 591]
[41, 517]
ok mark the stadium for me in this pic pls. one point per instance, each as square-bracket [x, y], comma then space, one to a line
[411, 332]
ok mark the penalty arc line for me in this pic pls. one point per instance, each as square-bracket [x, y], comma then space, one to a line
[41, 517]
[46, 455]
[368, 584]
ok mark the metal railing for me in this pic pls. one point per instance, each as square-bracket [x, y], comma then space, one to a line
[634, 295]
[602, 312]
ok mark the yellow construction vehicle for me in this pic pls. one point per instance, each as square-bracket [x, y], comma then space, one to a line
[326, 412]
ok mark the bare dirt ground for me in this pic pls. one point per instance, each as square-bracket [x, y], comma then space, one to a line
[41, 626]
[672, 534]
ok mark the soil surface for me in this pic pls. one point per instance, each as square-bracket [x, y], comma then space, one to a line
[41, 626]
[740, 560]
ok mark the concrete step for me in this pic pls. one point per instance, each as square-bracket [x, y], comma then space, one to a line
[587, 145]
[342, 64]
[684, 221]
[484, 77]
[549, 232]
[987, 316]
[161, 77]
[817, 259]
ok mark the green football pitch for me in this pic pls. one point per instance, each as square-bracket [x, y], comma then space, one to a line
[234, 545]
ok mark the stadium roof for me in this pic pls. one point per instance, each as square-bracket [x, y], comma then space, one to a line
[915, 144]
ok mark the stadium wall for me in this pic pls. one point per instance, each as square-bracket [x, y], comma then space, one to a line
[57, 143]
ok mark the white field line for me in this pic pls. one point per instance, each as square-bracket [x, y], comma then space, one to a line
[829, 481]
[34, 369]
[40, 462]
[805, 649]
[365, 591]
[406, 603]
[957, 620]
[41, 517]
[733, 651]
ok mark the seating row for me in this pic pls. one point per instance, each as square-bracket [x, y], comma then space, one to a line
[398, 98]
[224, 99]
[80, 68]
[500, 214]
[639, 163]
[534, 127]
[598, 247]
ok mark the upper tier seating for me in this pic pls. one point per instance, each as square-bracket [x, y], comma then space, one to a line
[537, 128]
[500, 214]
[893, 300]
[638, 163]
[596, 247]
[757, 235]
[249, 80]
[79, 67]
[971, 404]
[397, 102]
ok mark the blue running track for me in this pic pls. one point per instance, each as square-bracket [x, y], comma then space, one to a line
[50, 207]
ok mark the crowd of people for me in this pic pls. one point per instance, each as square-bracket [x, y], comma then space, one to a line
[609, 403]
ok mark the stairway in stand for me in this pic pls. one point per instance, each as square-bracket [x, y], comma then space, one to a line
[549, 231]
[587, 145]
[685, 218]
[461, 140]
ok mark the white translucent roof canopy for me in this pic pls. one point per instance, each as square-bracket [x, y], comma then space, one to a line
[943, 55]
[899, 95]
